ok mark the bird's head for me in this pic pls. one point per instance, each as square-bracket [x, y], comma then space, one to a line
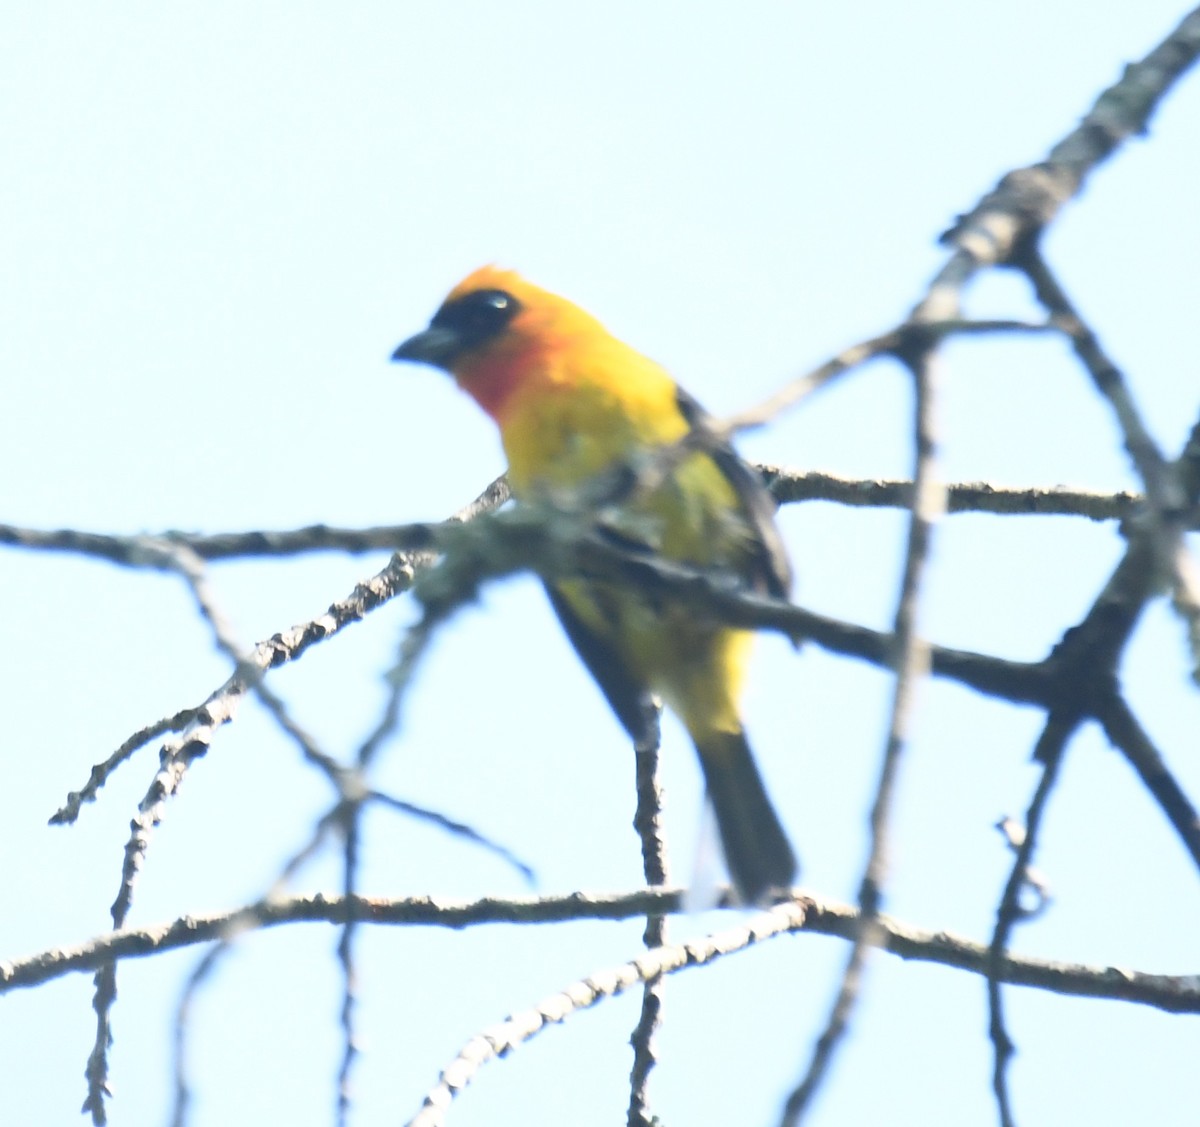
[496, 332]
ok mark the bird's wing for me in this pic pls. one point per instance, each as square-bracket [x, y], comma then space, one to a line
[771, 572]
[629, 699]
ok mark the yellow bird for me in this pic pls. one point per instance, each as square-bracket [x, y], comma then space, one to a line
[572, 402]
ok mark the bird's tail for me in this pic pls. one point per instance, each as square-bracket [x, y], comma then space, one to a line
[757, 851]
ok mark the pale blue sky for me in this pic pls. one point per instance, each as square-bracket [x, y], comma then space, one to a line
[219, 221]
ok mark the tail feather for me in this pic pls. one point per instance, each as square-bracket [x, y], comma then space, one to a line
[757, 851]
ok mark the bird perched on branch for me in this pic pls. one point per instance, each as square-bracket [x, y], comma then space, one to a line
[573, 403]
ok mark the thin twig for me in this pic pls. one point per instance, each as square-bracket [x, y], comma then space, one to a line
[894, 342]
[911, 658]
[244, 920]
[508, 1035]
[1167, 502]
[351, 826]
[1127, 735]
[1049, 752]
[647, 821]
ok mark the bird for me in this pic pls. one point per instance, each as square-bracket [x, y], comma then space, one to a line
[574, 403]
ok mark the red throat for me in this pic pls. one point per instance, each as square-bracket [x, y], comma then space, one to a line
[493, 380]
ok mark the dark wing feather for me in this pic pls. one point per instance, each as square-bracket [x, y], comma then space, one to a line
[630, 699]
[771, 573]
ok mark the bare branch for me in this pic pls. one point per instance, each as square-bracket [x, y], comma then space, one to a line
[1049, 752]
[911, 658]
[1169, 993]
[895, 342]
[647, 821]
[1028, 199]
[961, 497]
[503, 1038]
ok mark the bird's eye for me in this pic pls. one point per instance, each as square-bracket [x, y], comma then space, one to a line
[479, 316]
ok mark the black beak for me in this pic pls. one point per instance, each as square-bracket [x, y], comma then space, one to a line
[434, 346]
